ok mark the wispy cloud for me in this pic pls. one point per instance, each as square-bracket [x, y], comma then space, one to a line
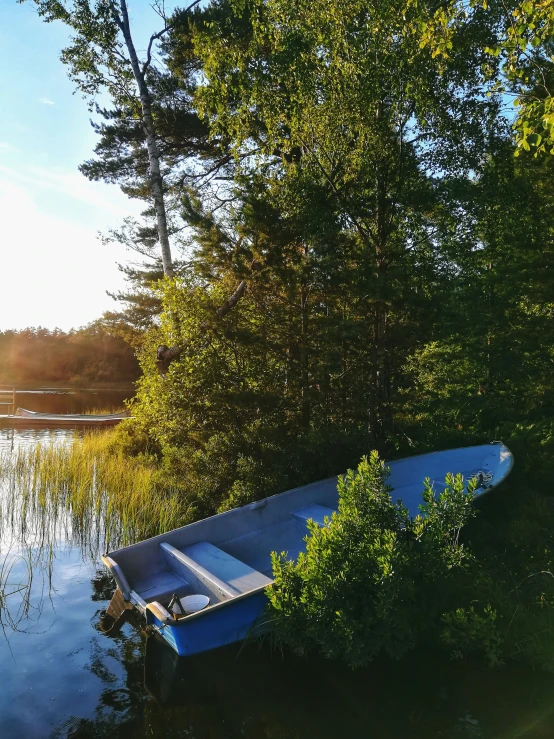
[4, 146]
[46, 101]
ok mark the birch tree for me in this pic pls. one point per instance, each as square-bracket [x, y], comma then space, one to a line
[102, 56]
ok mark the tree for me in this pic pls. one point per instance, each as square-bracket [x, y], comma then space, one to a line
[89, 354]
[102, 55]
[373, 579]
[355, 104]
[486, 370]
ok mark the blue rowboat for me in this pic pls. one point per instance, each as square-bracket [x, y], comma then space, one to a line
[227, 558]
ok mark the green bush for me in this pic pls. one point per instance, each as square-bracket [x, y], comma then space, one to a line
[224, 429]
[374, 578]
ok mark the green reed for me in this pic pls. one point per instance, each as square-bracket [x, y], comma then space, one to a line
[88, 492]
[106, 410]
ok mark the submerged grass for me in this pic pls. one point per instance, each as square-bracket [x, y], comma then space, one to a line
[89, 491]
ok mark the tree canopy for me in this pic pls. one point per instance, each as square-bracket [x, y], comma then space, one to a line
[358, 257]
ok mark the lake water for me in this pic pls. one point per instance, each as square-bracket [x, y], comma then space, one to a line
[60, 400]
[62, 677]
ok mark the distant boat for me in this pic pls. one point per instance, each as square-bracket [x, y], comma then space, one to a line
[227, 557]
[23, 417]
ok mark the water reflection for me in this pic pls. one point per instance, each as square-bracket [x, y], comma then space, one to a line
[72, 400]
[259, 694]
[12, 439]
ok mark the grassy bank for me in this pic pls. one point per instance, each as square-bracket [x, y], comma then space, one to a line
[99, 494]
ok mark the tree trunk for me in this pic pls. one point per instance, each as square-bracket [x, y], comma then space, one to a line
[380, 416]
[304, 358]
[156, 181]
[491, 322]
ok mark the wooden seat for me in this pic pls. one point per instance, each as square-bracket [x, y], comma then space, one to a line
[212, 571]
[160, 586]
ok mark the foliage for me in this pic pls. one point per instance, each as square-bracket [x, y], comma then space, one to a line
[376, 580]
[517, 37]
[508, 613]
[373, 578]
[361, 119]
[227, 418]
[84, 355]
[487, 370]
[467, 629]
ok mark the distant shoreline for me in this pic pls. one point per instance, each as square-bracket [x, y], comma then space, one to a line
[67, 387]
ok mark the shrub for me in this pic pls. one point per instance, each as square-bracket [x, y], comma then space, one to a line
[373, 578]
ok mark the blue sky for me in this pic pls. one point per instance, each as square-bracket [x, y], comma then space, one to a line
[54, 270]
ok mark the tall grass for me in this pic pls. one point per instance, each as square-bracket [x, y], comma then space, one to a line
[106, 410]
[89, 492]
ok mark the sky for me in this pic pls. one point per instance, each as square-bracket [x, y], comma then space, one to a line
[54, 270]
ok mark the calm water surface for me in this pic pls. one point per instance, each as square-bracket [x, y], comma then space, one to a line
[71, 400]
[61, 677]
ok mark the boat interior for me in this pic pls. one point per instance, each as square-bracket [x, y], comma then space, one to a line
[226, 556]
[235, 567]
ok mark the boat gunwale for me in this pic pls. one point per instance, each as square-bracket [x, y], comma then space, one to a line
[263, 501]
[450, 449]
[209, 608]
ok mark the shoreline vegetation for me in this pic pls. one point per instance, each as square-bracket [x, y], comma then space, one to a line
[81, 357]
[376, 580]
[472, 581]
[111, 498]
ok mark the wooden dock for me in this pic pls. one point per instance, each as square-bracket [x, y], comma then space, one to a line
[8, 399]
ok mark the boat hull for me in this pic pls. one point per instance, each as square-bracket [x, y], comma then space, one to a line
[56, 422]
[217, 628]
